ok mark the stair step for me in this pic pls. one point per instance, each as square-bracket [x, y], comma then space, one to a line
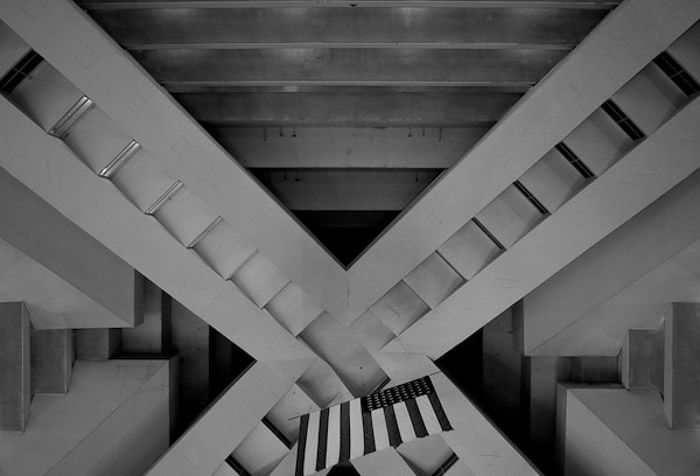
[140, 179]
[426, 455]
[322, 384]
[185, 216]
[12, 48]
[261, 451]
[45, 95]
[284, 415]
[433, 280]
[685, 50]
[293, 308]
[649, 99]
[223, 250]
[598, 142]
[469, 250]
[509, 216]
[399, 308]
[344, 352]
[96, 139]
[52, 357]
[259, 279]
[553, 180]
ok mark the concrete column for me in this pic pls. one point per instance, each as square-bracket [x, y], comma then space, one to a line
[149, 337]
[641, 359]
[682, 366]
[97, 344]
[51, 360]
[15, 369]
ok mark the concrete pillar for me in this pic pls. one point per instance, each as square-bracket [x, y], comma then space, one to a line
[682, 366]
[97, 344]
[151, 336]
[15, 368]
[641, 359]
[52, 360]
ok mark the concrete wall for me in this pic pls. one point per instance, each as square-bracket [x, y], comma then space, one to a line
[52, 356]
[503, 372]
[613, 431]
[114, 421]
[15, 369]
[620, 283]
[190, 337]
[35, 228]
[148, 336]
[52, 302]
[130, 439]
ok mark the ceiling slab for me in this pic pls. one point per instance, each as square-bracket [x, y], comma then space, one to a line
[354, 27]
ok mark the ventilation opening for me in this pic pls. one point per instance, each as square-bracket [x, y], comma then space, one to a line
[573, 159]
[677, 73]
[622, 120]
[21, 70]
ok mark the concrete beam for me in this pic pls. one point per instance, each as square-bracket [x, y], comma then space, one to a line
[15, 366]
[225, 424]
[386, 108]
[346, 190]
[100, 209]
[354, 27]
[318, 66]
[623, 282]
[341, 147]
[475, 440]
[41, 233]
[621, 45]
[146, 4]
[648, 171]
[84, 54]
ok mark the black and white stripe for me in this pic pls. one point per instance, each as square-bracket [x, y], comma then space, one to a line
[368, 424]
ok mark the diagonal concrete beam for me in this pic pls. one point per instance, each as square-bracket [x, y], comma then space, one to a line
[68, 39]
[622, 44]
[46, 166]
[648, 171]
[225, 424]
[477, 442]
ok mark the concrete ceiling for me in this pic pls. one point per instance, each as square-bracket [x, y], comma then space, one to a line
[361, 90]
